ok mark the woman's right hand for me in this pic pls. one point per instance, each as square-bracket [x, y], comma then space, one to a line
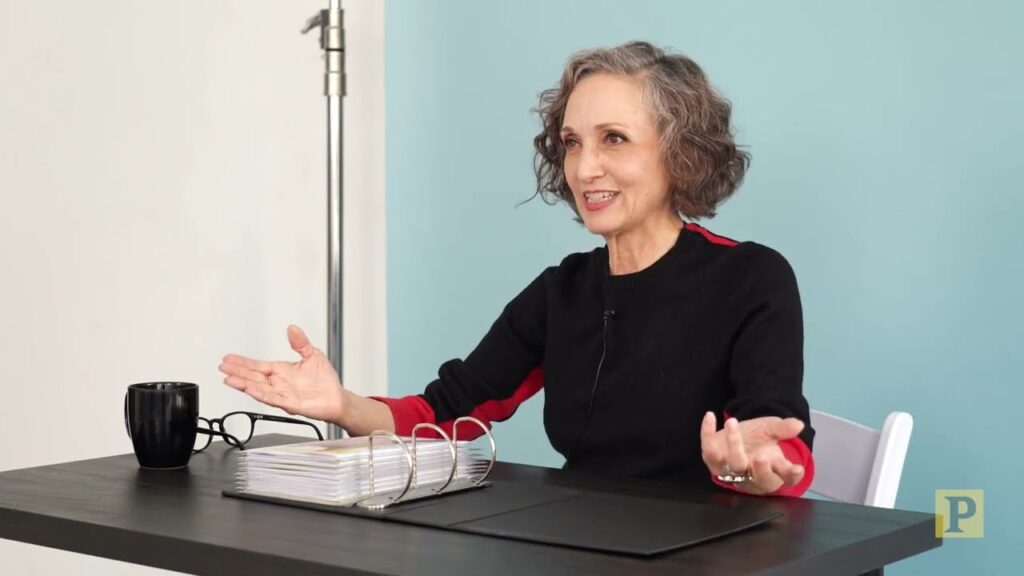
[309, 387]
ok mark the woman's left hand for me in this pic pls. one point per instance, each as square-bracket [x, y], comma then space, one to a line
[751, 445]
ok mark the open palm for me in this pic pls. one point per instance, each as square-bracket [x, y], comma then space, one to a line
[309, 387]
[752, 445]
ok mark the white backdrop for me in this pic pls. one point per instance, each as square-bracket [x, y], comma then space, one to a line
[162, 203]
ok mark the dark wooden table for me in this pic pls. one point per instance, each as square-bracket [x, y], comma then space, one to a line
[178, 520]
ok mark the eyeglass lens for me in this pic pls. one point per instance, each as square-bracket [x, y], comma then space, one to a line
[238, 425]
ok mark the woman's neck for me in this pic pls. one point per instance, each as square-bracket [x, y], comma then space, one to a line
[633, 250]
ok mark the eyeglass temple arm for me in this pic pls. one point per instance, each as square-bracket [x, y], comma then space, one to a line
[285, 419]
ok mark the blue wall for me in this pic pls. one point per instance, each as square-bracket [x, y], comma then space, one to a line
[885, 141]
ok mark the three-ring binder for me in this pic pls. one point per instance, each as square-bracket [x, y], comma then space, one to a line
[411, 490]
[520, 510]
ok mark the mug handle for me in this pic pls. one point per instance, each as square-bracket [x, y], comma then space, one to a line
[126, 427]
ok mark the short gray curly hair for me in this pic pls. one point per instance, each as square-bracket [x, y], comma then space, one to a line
[701, 158]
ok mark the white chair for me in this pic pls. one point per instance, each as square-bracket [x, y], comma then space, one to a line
[854, 463]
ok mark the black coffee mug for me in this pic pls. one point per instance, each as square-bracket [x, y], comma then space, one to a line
[161, 419]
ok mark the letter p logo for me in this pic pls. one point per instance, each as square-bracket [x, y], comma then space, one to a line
[959, 513]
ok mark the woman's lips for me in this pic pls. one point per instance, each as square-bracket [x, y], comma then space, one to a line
[595, 201]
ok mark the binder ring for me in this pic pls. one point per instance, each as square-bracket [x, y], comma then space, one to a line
[455, 441]
[408, 480]
[451, 447]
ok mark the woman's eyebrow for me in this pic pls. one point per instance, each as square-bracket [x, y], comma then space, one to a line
[601, 126]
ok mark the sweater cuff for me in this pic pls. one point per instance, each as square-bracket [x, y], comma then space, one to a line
[407, 412]
[796, 452]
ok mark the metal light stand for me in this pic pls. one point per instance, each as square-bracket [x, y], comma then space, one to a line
[332, 41]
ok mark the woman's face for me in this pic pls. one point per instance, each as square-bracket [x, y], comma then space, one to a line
[613, 158]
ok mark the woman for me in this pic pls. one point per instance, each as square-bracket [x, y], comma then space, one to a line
[640, 344]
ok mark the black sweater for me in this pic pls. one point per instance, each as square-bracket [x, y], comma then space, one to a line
[632, 362]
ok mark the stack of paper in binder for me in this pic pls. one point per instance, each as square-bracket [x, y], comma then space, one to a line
[337, 472]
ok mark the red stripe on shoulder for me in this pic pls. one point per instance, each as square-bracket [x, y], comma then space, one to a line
[710, 236]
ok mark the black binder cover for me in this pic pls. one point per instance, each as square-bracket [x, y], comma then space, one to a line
[551, 515]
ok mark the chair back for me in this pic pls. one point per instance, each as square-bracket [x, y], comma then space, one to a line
[854, 463]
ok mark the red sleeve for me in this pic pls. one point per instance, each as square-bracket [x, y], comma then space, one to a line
[408, 411]
[412, 410]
